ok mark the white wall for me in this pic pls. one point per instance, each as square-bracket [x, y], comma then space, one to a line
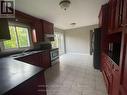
[78, 40]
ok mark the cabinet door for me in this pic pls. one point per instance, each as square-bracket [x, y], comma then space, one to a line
[119, 13]
[112, 13]
[116, 80]
[37, 32]
[125, 13]
[103, 16]
[48, 27]
[107, 72]
[46, 59]
[123, 81]
[34, 59]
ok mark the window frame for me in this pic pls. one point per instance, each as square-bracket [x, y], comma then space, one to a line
[15, 24]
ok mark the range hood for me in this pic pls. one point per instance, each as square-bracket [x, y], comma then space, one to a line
[49, 37]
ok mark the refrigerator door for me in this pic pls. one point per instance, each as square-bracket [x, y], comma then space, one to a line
[97, 48]
[97, 39]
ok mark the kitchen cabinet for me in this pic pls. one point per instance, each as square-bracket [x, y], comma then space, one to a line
[47, 27]
[112, 15]
[103, 16]
[103, 24]
[41, 59]
[48, 30]
[46, 59]
[116, 79]
[106, 68]
[37, 32]
[4, 29]
[40, 29]
[111, 73]
[123, 80]
[125, 13]
[23, 18]
[114, 58]
[33, 86]
[120, 13]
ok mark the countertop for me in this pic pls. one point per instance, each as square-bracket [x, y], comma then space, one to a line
[14, 72]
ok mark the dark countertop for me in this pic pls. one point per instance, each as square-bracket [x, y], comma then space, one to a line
[13, 73]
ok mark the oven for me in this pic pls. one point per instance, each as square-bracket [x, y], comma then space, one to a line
[54, 54]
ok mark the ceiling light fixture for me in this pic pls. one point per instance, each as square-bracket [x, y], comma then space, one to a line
[73, 24]
[65, 4]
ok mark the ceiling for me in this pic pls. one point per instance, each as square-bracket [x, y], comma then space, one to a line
[81, 12]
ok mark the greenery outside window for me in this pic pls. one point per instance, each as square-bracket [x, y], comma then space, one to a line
[19, 38]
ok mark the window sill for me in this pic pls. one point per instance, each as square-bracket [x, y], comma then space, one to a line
[9, 52]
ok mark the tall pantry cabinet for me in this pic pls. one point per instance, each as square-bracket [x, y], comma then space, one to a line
[113, 21]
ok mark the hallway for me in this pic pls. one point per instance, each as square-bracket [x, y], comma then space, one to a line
[74, 75]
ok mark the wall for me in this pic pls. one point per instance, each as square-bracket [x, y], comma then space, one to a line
[78, 40]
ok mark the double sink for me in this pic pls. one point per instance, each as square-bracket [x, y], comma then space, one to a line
[25, 53]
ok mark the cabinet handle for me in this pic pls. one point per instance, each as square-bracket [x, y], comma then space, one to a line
[123, 25]
[116, 70]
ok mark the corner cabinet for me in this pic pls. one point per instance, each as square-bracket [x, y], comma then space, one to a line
[41, 59]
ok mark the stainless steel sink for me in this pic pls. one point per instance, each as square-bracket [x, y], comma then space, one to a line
[24, 54]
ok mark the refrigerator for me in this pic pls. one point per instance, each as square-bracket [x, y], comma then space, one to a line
[96, 48]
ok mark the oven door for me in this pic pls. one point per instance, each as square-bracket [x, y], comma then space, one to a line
[54, 54]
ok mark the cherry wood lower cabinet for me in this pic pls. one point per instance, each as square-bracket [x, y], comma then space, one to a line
[33, 86]
[111, 73]
[41, 59]
[116, 80]
[106, 68]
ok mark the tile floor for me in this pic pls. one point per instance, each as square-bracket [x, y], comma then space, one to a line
[74, 75]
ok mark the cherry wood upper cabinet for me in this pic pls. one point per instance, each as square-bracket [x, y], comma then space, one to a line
[48, 28]
[103, 16]
[125, 13]
[37, 31]
[119, 22]
[112, 15]
[23, 17]
[38, 26]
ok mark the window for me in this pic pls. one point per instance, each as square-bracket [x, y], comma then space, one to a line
[19, 38]
[59, 42]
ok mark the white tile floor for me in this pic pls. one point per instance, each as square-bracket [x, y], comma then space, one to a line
[74, 76]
